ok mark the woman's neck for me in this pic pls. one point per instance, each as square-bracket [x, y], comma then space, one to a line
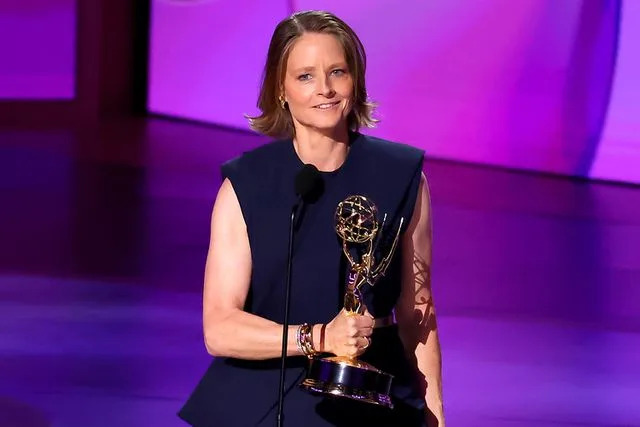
[327, 152]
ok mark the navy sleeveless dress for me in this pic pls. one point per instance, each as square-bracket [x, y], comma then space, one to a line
[243, 393]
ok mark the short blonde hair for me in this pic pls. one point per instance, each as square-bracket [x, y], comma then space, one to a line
[277, 122]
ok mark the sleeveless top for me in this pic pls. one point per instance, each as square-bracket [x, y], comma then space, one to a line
[236, 392]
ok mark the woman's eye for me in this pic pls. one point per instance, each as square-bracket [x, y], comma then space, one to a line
[303, 77]
[338, 72]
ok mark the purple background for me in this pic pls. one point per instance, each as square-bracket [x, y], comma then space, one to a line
[617, 155]
[523, 84]
[104, 216]
[37, 49]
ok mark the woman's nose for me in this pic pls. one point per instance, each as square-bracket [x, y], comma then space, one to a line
[325, 87]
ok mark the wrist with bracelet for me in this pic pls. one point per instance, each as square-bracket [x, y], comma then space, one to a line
[304, 339]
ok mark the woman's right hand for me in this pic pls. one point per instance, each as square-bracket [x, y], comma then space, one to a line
[348, 334]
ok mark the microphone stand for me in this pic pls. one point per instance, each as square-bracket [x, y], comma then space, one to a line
[285, 323]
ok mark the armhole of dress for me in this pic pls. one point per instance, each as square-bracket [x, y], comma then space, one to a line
[230, 171]
[411, 196]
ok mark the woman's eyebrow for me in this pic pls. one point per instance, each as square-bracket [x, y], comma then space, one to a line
[312, 68]
[299, 70]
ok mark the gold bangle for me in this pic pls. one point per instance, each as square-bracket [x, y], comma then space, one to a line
[299, 339]
[306, 340]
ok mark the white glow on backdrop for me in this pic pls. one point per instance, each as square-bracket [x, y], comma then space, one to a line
[618, 156]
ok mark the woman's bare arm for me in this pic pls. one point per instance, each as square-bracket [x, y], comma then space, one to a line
[229, 330]
[415, 309]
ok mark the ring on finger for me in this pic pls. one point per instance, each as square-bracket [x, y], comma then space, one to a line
[368, 343]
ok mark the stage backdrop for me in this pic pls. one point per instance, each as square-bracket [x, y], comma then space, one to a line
[37, 49]
[530, 84]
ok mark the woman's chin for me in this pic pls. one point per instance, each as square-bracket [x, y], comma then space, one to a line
[325, 125]
[328, 125]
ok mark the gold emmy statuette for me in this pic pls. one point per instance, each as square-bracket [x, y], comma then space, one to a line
[357, 225]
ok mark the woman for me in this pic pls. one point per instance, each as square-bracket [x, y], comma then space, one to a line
[313, 94]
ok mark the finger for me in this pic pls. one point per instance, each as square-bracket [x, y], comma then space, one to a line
[352, 331]
[358, 343]
[360, 349]
[363, 342]
[355, 352]
[349, 327]
[365, 332]
[368, 343]
[352, 320]
[365, 321]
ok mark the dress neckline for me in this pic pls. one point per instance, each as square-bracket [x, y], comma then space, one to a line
[354, 143]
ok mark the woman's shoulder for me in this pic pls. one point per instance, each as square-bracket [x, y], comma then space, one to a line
[391, 152]
[266, 155]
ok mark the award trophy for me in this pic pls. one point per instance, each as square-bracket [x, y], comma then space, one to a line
[357, 225]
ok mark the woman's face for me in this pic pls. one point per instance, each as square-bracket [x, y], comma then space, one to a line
[318, 85]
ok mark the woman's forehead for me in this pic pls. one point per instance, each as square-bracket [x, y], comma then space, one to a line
[314, 48]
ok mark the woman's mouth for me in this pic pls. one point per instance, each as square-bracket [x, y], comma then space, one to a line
[327, 105]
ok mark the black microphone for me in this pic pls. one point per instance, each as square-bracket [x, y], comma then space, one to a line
[308, 186]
